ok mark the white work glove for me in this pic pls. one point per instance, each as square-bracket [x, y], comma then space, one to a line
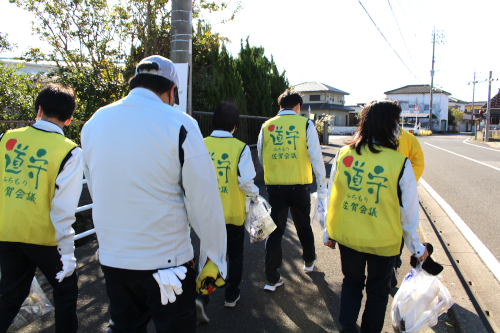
[69, 266]
[170, 285]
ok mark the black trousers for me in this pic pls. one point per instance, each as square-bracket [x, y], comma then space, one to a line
[134, 299]
[378, 286]
[298, 199]
[235, 238]
[18, 262]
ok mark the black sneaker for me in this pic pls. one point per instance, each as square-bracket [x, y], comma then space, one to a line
[394, 278]
[231, 304]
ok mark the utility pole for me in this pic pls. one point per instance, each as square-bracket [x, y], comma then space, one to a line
[472, 109]
[487, 130]
[440, 38]
[181, 42]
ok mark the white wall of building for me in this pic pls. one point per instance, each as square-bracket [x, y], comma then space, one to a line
[439, 105]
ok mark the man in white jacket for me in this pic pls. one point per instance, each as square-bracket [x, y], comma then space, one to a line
[151, 178]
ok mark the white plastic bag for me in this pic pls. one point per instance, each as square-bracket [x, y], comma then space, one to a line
[318, 210]
[34, 306]
[258, 222]
[419, 302]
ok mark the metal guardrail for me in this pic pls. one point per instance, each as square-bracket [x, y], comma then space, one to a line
[82, 209]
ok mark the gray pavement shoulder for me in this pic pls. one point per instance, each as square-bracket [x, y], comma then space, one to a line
[463, 313]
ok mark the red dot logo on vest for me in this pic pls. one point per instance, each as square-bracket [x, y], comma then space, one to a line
[271, 128]
[348, 161]
[11, 144]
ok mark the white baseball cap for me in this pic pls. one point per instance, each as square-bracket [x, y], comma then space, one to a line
[166, 68]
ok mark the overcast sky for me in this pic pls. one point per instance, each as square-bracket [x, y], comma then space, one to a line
[335, 42]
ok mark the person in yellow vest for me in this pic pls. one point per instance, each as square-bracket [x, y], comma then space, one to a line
[235, 175]
[42, 182]
[288, 146]
[409, 146]
[373, 203]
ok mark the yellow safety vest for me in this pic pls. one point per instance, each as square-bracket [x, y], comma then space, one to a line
[226, 153]
[410, 148]
[31, 160]
[364, 207]
[284, 151]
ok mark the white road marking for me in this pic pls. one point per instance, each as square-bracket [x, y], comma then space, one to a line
[483, 252]
[497, 150]
[468, 158]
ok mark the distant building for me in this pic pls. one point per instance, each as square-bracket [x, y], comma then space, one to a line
[324, 99]
[457, 103]
[31, 67]
[354, 115]
[415, 100]
[494, 109]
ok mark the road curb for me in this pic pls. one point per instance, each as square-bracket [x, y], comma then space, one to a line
[463, 313]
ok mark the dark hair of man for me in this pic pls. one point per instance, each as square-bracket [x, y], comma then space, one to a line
[57, 101]
[377, 126]
[289, 99]
[153, 82]
[226, 117]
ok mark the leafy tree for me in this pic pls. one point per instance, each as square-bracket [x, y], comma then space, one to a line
[5, 45]
[261, 80]
[454, 115]
[82, 33]
[214, 73]
[18, 92]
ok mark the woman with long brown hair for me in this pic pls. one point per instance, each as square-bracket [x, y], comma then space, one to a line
[373, 203]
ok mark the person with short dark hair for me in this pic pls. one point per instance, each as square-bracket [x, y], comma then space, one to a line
[151, 179]
[235, 174]
[42, 182]
[289, 151]
[373, 203]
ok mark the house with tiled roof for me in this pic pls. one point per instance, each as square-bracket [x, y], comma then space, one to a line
[323, 99]
[415, 103]
[494, 109]
[457, 103]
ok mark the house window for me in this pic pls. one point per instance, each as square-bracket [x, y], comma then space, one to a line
[314, 98]
[426, 108]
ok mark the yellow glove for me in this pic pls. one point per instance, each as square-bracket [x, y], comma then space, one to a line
[209, 279]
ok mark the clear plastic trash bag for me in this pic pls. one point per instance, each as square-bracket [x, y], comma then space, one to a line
[33, 307]
[319, 208]
[420, 300]
[258, 222]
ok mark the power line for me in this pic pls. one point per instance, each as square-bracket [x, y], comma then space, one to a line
[388, 41]
[400, 32]
[411, 4]
[430, 10]
[406, 17]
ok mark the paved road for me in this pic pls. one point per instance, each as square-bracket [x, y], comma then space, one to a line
[470, 188]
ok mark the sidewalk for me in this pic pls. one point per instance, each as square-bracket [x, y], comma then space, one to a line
[305, 303]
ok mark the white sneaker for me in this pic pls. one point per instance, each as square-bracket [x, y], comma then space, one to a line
[231, 304]
[272, 286]
[309, 266]
[200, 312]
